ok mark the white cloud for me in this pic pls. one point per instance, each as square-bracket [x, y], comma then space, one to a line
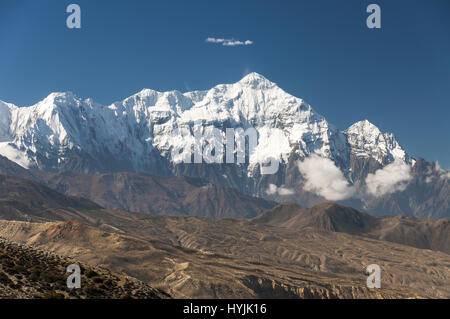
[442, 172]
[437, 166]
[282, 191]
[272, 190]
[436, 171]
[285, 191]
[229, 42]
[215, 40]
[324, 178]
[393, 177]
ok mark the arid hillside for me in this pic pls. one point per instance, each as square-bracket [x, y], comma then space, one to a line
[26, 272]
[192, 257]
[286, 252]
[431, 234]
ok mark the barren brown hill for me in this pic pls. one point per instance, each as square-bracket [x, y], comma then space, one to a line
[420, 233]
[22, 199]
[158, 195]
[9, 168]
[192, 257]
[26, 272]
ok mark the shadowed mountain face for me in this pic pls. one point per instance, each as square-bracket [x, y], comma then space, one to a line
[10, 168]
[427, 234]
[136, 192]
[158, 195]
[21, 199]
[427, 195]
[324, 217]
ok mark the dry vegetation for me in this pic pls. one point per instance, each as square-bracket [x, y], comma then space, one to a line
[192, 257]
[26, 272]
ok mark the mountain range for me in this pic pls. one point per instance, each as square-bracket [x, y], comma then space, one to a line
[360, 166]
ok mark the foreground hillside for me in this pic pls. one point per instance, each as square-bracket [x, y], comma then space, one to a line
[26, 272]
[192, 257]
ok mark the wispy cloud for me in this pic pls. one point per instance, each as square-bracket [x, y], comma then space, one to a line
[324, 178]
[282, 191]
[435, 171]
[443, 173]
[228, 42]
[391, 178]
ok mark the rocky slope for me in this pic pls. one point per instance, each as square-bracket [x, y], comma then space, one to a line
[9, 168]
[27, 272]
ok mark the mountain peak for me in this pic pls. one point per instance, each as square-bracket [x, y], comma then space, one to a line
[65, 94]
[367, 140]
[363, 126]
[256, 80]
[145, 92]
[60, 98]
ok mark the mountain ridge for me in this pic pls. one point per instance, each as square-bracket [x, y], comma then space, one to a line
[331, 217]
[252, 101]
[139, 134]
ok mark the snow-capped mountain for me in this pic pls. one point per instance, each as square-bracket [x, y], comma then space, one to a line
[38, 135]
[64, 132]
[367, 141]
[361, 166]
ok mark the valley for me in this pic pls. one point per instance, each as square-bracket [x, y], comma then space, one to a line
[286, 252]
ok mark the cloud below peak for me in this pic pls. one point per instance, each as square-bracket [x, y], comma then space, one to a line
[391, 178]
[324, 178]
[281, 191]
[228, 42]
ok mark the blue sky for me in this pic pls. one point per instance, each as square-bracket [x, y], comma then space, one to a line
[398, 77]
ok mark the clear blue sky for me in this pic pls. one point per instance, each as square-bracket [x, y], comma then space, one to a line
[397, 77]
